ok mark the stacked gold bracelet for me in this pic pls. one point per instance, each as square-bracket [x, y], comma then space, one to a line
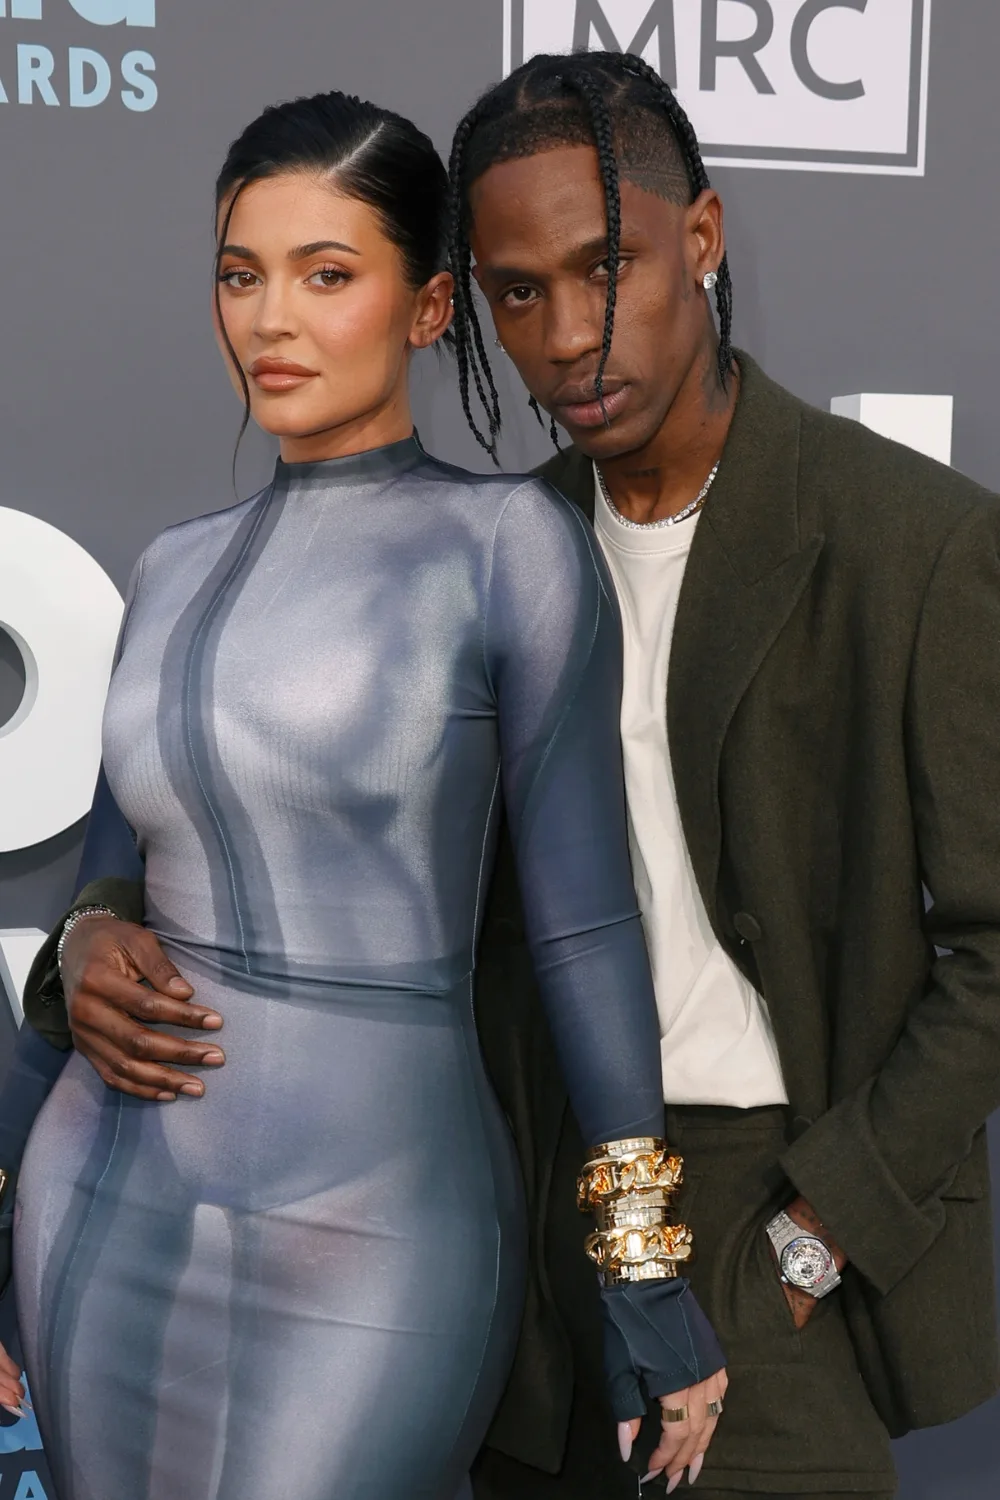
[629, 1187]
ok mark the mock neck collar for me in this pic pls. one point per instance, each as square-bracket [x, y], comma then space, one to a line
[373, 466]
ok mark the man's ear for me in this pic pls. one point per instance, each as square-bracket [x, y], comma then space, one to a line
[706, 235]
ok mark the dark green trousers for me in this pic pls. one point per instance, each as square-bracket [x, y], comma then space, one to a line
[798, 1420]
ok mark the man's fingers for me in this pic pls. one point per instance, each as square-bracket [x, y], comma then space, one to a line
[103, 985]
[121, 1068]
[153, 964]
[8, 1369]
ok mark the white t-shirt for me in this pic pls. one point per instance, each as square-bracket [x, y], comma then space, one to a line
[717, 1043]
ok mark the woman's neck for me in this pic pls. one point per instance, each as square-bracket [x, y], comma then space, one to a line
[375, 429]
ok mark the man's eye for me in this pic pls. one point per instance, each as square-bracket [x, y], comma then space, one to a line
[518, 296]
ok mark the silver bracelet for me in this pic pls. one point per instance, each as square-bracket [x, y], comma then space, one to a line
[71, 921]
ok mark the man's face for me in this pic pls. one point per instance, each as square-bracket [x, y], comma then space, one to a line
[539, 237]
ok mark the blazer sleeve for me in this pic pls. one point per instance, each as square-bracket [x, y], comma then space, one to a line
[111, 874]
[875, 1165]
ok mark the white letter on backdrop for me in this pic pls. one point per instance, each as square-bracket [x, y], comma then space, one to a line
[63, 613]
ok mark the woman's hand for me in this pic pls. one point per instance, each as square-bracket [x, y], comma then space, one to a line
[12, 1397]
[103, 961]
[683, 1444]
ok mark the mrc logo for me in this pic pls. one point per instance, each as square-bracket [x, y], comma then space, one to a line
[813, 85]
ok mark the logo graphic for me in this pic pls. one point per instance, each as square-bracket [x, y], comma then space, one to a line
[62, 612]
[810, 85]
[76, 76]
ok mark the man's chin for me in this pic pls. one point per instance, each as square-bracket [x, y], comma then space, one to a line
[603, 444]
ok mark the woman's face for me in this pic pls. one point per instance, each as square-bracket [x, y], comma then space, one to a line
[315, 302]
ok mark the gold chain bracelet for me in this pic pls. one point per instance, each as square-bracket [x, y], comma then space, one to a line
[629, 1186]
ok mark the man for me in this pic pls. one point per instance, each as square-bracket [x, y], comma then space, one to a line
[827, 745]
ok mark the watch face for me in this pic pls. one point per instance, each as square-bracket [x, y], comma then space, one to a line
[805, 1262]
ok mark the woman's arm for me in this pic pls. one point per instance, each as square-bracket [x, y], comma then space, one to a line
[554, 661]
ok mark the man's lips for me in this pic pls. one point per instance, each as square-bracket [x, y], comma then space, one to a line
[580, 407]
[279, 374]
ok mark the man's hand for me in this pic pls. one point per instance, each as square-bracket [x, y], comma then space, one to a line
[802, 1304]
[102, 963]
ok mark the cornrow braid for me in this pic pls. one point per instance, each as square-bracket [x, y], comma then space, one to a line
[688, 142]
[470, 348]
[600, 119]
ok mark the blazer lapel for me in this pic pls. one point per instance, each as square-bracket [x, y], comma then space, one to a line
[748, 567]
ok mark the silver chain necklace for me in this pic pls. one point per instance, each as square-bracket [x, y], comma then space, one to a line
[682, 515]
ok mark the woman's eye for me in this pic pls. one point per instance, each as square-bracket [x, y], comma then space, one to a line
[328, 277]
[241, 280]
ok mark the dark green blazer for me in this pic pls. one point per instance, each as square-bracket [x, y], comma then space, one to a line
[834, 726]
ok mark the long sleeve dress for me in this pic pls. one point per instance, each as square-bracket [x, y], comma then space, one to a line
[322, 696]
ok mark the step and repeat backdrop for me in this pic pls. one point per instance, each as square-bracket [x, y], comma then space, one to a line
[853, 141]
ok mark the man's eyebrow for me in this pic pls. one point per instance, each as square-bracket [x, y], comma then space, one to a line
[596, 246]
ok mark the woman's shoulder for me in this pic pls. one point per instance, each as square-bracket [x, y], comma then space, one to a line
[521, 501]
[213, 529]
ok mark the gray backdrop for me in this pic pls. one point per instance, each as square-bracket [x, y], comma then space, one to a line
[118, 420]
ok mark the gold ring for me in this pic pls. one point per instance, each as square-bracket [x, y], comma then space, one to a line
[715, 1408]
[675, 1414]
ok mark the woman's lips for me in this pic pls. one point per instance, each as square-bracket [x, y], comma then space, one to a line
[279, 375]
[591, 413]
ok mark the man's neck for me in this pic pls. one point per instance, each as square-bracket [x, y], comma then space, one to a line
[660, 479]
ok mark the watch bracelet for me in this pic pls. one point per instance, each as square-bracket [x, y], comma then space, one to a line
[73, 920]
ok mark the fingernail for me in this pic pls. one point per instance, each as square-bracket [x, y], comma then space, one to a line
[625, 1441]
[673, 1483]
[211, 1022]
[214, 1057]
[12, 1409]
[194, 1089]
[167, 1098]
[179, 986]
[696, 1468]
[651, 1475]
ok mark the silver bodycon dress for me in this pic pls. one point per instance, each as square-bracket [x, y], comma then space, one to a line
[307, 1285]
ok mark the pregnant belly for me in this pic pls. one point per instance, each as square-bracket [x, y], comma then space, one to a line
[322, 1091]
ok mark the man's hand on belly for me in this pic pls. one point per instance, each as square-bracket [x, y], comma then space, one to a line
[103, 962]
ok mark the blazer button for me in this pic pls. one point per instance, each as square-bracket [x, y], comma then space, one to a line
[748, 927]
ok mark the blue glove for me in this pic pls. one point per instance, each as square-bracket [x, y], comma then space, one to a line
[655, 1336]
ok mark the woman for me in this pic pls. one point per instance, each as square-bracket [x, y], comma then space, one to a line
[320, 698]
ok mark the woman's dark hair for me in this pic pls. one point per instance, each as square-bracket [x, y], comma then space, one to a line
[373, 155]
[613, 101]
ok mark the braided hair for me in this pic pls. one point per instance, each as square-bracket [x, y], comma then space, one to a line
[620, 105]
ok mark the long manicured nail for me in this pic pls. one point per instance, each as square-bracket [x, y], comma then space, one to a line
[673, 1483]
[213, 1058]
[14, 1411]
[625, 1441]
[651, 1475]
[696, 1468]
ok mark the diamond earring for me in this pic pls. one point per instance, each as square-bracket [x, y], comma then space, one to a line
[709, 279]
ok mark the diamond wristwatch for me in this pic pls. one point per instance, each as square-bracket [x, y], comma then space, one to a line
[804, 1260]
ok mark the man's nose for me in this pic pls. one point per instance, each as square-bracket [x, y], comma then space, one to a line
[572, 329]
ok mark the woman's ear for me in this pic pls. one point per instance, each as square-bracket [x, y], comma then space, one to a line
[434, 311]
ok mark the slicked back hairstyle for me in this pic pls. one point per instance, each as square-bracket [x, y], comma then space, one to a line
[612, 101]
[368, 153]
